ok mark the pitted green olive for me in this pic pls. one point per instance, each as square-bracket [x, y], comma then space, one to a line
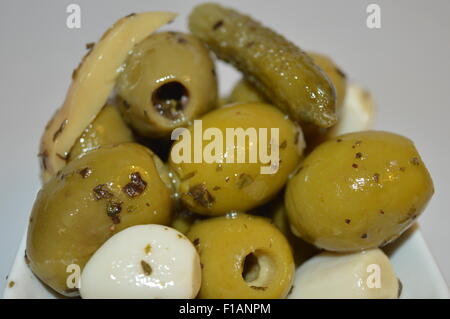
[168, 80]
[242, 256]
[358, 191]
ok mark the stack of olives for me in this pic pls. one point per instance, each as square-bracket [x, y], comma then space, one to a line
[249, 231]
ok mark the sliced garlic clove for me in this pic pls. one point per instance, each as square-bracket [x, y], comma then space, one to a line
[361, 275]
[92, 83]
[145, 262]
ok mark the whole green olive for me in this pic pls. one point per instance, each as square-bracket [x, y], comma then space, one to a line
[225, 183]
[358, 191]
[168, 80]
[92, 198]
[244, 91]
[108, 128]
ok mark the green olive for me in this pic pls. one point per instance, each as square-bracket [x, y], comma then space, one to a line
[92, 198]
[108, 128]
[230, 181]
[183, 221]
[244, 91]
[302, 250]
[168, 80]
[242, 256]
[358, 191]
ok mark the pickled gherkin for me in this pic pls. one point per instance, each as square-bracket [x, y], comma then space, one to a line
[280, 70]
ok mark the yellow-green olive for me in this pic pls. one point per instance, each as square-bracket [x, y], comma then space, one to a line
[92, 198]
[230, 174]
[244, 91]
[183, 221]
[302, 250]
[108, 128]
[242, 256]
[358, 191]
[168, 80]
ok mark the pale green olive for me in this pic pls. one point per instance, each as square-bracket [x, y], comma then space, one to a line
[358, 191]
[242, 256]
[108, 128]
[89, 200]
[168, 80]
[221, 185]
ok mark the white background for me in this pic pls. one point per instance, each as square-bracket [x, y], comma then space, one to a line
[405, 64]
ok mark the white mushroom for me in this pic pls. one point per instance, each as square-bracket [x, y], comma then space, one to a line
[146, 262]
[361, 275]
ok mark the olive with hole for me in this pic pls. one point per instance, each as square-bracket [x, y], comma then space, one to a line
[168, 80]
[244, 159]
[358, 191]
[108, 128]
[242, 256]
[89, 200]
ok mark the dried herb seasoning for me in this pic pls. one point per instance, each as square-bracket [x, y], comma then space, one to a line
[85, 172]
[136, 187]
[244, 180]
[146, 268]
[102, 192]
[60, 129]
[201, 195]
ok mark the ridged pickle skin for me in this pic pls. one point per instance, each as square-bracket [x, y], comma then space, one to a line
[358, 191]
[108, 128]
[223, 244]
[244, 91]
[275, 66]
[219, 187]
[72, 216]
[161, 59]
[334, 73]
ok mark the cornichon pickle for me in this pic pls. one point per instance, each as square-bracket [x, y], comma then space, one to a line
[89, 200]
[334, 73]
[275, 66]
[108, 128]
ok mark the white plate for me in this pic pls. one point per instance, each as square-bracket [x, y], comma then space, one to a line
[410, 256]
